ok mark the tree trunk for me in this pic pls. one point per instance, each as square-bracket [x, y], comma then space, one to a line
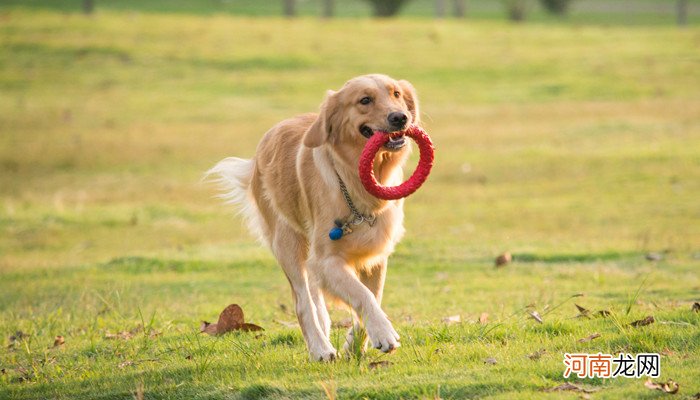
[88, 6]
[290, 8]
[459, 8]
[682, 12]
[328, 8]
[440, 8]
[516, 10]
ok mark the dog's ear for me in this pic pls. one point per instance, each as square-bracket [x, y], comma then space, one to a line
[411, 99]
[320, 131]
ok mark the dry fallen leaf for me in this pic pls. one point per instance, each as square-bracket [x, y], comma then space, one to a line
[139, 393]
[654, 256]
[667, 352]
[124, 335]
[246, 327]
[58, 341]
[503, 259]
[230, 319]
[583, 312]
[379, 364]
[452, 319]
[589, 338]
[569, 387]
[669, 387]
[696, 307]
[19, 335]
[490, 361]
[288, 324]
[644, 322]
[536, 355]
[604, 313]
[536, 316]
[484, 318]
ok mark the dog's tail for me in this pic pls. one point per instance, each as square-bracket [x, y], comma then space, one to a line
[234, 175]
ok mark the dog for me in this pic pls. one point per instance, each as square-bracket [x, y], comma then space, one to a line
[303, 181]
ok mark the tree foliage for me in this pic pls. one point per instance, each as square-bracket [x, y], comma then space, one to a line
[559, 7]
[387, 8]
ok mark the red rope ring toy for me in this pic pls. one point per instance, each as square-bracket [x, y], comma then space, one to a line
[425, 163]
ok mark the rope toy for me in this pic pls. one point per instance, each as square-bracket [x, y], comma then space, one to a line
[425, 163]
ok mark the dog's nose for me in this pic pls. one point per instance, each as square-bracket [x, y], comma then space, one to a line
[397, 119]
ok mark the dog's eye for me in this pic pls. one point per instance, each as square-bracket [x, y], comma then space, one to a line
[365, 100]
[397, 94]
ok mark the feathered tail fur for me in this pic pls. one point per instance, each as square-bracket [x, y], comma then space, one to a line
[233, 175]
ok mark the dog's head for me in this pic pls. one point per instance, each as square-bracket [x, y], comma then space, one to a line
[364, 105]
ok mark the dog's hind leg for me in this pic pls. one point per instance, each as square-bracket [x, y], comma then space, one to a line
[324, 320]
[290, 250]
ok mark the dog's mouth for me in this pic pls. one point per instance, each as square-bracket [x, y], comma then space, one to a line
[395, 142]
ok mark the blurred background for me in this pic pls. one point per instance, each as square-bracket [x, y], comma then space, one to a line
[565, 126]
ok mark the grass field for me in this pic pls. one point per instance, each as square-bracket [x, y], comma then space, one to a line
[576, 148]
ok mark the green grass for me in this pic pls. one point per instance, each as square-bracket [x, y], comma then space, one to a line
[577, 148]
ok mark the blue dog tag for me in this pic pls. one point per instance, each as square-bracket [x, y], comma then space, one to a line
[335, 233]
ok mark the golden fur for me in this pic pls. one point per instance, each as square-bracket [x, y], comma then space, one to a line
[291, 197]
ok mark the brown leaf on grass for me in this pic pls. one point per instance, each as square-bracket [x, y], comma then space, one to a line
[503, 259]
[58, 341]
[536, 316]
[654, 256]
[246, 327]
[644, 322]
[491, 361]
[484, 318]
[287, 324]
[123, 335]
[207, 327]
[229, 320]
[3, 371]
[696, 307]
[379, 364]
[669, 387]
[452, 319]
[139, 393]
[604, 313]
[589, 338]
[536, 355]
[583, 311]
[569, 387]
[18, 336]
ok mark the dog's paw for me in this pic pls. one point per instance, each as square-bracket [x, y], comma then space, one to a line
[383, 336]
[325, 354]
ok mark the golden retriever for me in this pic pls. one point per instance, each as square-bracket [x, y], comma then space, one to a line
[291, 193]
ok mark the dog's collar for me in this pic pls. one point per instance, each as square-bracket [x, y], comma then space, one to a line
[344, 226]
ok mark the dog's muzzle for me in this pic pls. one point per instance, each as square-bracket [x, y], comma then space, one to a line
[394, 143]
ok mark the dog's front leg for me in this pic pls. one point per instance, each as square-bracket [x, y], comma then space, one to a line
[342, 281]
[373, 278]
